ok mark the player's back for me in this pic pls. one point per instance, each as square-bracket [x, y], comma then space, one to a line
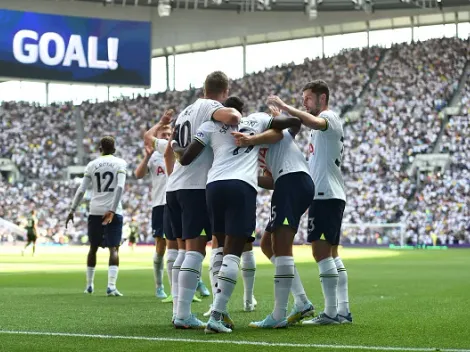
[285, 157]
[326, 152]
[31, 221]
[194, 175]
[103, 173]
[232, 162]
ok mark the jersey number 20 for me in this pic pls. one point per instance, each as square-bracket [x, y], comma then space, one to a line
[107, 176]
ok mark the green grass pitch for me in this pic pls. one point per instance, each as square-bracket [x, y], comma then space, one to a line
[401, 300]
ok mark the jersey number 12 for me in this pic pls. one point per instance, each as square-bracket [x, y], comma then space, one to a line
[107, 176]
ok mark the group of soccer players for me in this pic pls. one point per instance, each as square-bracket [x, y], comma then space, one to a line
[204, 188]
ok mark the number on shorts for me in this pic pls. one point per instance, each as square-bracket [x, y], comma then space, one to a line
[273, 213]
[311, 224]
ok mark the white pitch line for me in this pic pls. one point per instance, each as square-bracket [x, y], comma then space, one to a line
[235, 342]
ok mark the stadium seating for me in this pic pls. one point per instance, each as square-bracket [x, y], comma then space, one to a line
[405, 89]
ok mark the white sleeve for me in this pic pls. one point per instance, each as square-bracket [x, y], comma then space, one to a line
[86, 181]
[87, 172]
[332, 122]
[204, 133]
[122, 168]
[211, 106]
[265, 121]
[160, 145]
[121, 181]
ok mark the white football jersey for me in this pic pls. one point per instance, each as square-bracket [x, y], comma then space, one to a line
[326, 152]
[157, 170]
[283, 157]
[232, 162]
[103, 173]
[194, 175]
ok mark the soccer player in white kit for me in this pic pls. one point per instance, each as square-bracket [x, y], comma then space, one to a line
[186, 197]
[153, 163]
[326, 212]
[231, 197]
[293, 194]
[107, 177]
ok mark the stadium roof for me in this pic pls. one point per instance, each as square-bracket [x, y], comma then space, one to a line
[291, 5]
[188, 29]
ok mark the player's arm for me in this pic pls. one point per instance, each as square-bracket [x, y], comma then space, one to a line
[270, 136]
[149, 136]
[272, 133]
[187, 155]
[309, 120]
[266, 181]
[169, 158]
[142, 169]
[78, 197]
[228, 116]
[118, 191]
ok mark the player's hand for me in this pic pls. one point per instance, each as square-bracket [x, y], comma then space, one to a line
[277, 102]
[69, 218]
[149, 149]
[167, 117]
[108, 217]
[274, 110]
[241, 140]
[173, 144]
[267, 173]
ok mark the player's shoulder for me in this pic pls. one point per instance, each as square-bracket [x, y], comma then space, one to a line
[205, 130]
[91, 163]
[258, 116]
[210, 103]
[119, 161]
[209, 126]
[122, 162]
[330, 115]
[332, 118]
[186, 112]
[257, 119]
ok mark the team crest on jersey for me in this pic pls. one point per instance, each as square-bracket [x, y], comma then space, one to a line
[200, 135]
[160, 171]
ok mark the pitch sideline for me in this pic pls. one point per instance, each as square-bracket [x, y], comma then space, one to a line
[231, 342]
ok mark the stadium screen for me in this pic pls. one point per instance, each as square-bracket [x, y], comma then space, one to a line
[74, 49]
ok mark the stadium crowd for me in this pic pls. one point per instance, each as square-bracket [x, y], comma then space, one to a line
[406, 87]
